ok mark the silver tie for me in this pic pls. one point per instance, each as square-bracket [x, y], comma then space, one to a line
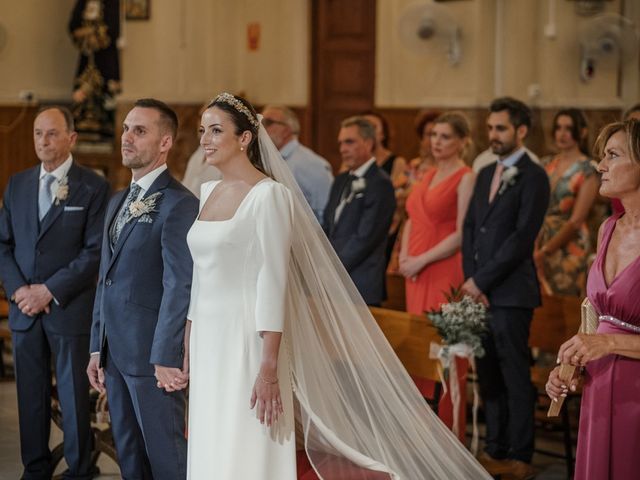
[118, 224]
[45, 198]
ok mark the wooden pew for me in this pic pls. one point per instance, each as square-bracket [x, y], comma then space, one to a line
[410, 336]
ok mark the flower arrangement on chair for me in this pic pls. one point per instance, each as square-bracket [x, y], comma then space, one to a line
[461, 322]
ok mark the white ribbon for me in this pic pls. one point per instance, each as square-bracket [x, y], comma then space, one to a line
[446, 354]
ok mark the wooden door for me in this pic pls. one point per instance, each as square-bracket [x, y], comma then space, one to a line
[343, 68]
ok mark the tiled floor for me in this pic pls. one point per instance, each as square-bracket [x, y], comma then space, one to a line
[11, 469]
[10, 466]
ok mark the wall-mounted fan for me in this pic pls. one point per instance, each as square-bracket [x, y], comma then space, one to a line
[606, 36]
[425, 27]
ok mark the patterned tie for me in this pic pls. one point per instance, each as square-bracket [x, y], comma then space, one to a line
[118, 225]
[45, 199]
[495, 182]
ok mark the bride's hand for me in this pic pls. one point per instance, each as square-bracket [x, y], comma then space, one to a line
[266, 395]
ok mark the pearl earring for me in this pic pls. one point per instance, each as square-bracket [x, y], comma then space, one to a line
[242, 149]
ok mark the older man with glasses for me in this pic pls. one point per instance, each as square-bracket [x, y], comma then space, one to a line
[311, 171]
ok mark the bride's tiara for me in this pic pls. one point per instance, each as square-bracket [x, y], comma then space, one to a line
[239, 106]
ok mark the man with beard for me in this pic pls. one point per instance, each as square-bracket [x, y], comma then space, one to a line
[507, 208]
[141, 304]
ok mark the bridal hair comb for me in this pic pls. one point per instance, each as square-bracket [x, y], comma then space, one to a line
[239, 106]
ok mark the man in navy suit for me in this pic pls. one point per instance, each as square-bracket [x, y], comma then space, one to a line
[360, 209]
[505, 214]
[142, 300]
[50, 237]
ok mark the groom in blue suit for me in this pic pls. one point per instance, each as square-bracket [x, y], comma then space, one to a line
[50, 237]
[140, 311]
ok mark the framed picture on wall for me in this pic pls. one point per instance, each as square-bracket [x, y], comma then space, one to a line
[138, 9]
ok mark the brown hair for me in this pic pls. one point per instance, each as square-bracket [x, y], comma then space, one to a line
[66, 113]
[424, 117]
[578, 125]
[631, 128]
[168, 118]
[458, 122]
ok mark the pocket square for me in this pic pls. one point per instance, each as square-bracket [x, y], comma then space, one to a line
[145, 219]
[359, 195]
[73, 209]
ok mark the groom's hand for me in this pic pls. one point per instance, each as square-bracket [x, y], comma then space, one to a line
[95, 373]
[171, 378]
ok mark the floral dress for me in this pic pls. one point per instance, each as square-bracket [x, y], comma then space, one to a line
[565, 270]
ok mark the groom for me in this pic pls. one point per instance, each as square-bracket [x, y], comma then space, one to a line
[142, 300]
[505, 214]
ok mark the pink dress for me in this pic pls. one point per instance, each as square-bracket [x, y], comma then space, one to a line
[609, 434]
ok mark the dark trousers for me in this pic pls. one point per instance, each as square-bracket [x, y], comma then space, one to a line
[504, 376]
[32, 354]
[148, 426]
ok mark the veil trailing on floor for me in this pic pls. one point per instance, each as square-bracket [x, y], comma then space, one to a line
[359, 407]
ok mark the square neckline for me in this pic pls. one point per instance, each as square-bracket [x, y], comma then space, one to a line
[242, 202]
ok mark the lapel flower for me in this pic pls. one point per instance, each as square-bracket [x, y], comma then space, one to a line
[508, 178]
[62, 192]
[144, 206]
[358, 185]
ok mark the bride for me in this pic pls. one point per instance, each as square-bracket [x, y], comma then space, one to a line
[275, 317]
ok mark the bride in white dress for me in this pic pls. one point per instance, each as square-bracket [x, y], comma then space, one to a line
[274, 316]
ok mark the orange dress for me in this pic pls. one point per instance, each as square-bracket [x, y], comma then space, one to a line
[433, 212]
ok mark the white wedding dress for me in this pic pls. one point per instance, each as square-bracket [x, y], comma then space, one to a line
[239, 283]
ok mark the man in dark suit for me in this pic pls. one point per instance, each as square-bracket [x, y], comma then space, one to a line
[505, 214]
[360, 209]
[142, 299]
[50, 237]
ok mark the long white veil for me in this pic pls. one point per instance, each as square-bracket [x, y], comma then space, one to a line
[358, 405]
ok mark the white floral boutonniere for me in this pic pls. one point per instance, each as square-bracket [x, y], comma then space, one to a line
[144, 206]
[508, 178]
[62, 192]
[358, 185]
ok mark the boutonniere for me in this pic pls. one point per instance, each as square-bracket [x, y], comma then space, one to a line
[144, 206]
[508, 178]
[62, 192]
[358, 185]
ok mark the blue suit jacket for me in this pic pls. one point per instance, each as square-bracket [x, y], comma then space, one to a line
[144, 283]
[62, 251]
[359, 237]
[498, 237]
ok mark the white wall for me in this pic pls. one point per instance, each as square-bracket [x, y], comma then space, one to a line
[505, 52]
[189, 51]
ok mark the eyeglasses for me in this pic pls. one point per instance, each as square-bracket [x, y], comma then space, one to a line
[267, 122]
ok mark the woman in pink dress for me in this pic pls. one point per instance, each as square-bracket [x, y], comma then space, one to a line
[430, 258]
[609, 432]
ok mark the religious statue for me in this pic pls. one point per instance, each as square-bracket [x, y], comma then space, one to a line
[95, 28]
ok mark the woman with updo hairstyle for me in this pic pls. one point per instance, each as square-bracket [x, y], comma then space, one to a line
[609, 430]
[274, 315]
[430, 258]
[239, 242]
[564, 243]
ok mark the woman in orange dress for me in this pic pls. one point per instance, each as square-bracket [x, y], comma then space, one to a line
[430, 258]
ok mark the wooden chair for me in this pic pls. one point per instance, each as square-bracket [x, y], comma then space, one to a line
[554, 322]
